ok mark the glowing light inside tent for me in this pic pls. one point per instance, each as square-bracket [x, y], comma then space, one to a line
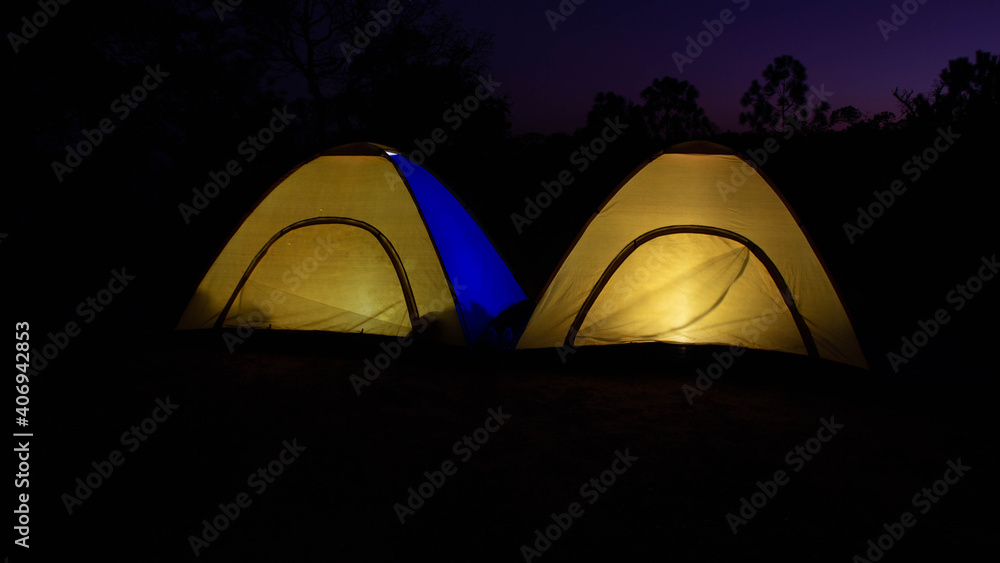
[483, 285]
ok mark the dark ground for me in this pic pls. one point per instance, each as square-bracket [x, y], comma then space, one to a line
[335, 502]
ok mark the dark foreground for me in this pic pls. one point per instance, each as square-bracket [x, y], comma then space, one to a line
[336, 464]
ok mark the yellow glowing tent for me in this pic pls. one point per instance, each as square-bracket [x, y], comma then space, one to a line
[695, 247]
[357, 239]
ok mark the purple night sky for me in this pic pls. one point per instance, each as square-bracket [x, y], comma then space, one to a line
[552, 76]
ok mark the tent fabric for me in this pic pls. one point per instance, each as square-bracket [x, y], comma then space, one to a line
[344, 243]
[695, 247]
[484, 287]
[356, 266]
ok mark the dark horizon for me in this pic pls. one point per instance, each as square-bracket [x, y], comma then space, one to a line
[553, 76]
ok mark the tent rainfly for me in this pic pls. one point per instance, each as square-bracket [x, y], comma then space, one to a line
[694, 247]
[357, 239]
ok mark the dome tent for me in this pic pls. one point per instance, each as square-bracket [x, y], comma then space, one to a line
[357, 239]
[696, 246]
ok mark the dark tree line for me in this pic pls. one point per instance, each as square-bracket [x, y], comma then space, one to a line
[966, 90]
[381, 70]
[385, 71]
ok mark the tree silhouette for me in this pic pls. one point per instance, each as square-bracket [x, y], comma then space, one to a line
[761, 116]
[969, 88]
[855, 119]
[882, 119]
[672, 114]
[337, 48]
[608, 105]
[781, 101]
[847, 114]
[964, 90]
[912, 107]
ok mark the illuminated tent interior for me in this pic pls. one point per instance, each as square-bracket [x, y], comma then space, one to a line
[357, 239]
[695, 247]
